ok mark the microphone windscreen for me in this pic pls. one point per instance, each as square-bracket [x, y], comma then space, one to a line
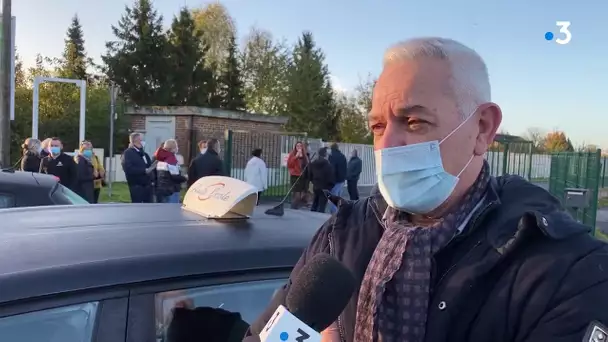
[320, 292]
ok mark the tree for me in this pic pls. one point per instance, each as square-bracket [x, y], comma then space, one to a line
[190, 82]
[217, 28]
[74, 62]
[137, 60]
[230, 81]
[352, 123]
[557, 141]
[309, 100]
[364, 92]
[536, 136]
[20, 76]
[264, 66]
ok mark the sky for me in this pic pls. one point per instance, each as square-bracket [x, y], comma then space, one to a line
[537, 83]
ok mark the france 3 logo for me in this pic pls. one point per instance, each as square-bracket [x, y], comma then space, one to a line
[564, 32]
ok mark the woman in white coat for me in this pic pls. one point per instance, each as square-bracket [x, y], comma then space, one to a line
[256, 172]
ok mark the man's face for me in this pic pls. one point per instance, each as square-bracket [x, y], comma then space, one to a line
[56, 144]
[414, 103]
[137, 141]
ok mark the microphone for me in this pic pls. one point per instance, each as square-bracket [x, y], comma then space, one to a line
[319, 293]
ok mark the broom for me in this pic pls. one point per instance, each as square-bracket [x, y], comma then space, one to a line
[279, 210]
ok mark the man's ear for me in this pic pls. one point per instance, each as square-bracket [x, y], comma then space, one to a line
[490, 117]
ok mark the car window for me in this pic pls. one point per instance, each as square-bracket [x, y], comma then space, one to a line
[247, 298]
[73, 323]
[7, 201]
[63, 195]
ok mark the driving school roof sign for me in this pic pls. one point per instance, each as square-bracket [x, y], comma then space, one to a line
[221, 197]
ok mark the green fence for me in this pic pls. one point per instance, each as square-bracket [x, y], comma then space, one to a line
[275, 148]
[510, 154]
[581, 170]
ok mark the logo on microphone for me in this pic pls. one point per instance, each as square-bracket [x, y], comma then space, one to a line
[303, 336]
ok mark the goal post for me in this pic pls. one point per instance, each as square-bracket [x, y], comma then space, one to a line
[82, 84]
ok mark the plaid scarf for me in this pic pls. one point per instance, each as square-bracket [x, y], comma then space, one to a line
[395, 292]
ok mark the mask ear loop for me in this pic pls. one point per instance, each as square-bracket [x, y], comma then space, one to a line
[458, 127]
[454, 131]
[465, 167]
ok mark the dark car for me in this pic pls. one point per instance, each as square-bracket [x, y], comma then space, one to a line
[114, 273]
[29, 189]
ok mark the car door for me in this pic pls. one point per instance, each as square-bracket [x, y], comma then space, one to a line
[88, 317]
[151, 306]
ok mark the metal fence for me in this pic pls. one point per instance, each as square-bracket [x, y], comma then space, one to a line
[580, 170]
[275, 148]
[510, 154]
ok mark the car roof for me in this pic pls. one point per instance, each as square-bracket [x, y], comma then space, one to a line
[23, 178]
[57, 249]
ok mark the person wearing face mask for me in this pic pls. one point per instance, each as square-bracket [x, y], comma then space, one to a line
[30, 161]
[85, 185]
[207, 164]
[45, 145]
[138, 168]
[60, 165]
[442, 250]
[168, 175]
[202, 146]
[297, 163]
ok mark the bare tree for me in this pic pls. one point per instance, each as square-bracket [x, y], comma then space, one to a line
[536, 136]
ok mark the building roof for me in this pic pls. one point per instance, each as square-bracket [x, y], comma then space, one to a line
[55, 249]
[204, 111]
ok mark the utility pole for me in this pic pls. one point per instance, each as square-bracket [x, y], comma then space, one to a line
[113, 94]
[5, 84]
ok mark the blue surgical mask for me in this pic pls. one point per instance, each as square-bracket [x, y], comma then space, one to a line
[87, 153]
[411, 178]
[55, 150]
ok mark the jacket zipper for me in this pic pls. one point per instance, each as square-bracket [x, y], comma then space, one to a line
[332, 253]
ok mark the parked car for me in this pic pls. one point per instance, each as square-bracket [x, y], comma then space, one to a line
[29, 189]
[113, 273]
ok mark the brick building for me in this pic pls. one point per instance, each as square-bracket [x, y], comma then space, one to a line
[190, 124]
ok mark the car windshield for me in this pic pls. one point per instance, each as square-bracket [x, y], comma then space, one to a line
[65, 195]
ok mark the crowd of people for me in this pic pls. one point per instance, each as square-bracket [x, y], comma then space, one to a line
[83, 173]
[159, 178]
[328, 172]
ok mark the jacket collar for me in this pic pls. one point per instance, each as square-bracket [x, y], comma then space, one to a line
[512, 205]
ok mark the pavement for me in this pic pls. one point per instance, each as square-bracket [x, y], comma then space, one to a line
[601, 220]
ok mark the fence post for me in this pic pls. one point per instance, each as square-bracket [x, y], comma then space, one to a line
[596, 189]
[505, 159]
[228, 138]
[530, 156]
[603, 161]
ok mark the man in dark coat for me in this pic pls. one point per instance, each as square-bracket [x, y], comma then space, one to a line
[206, 164]
[321, 174]
[339, 165]
[138, 167]
[445, 252]
[60, 165]
[355, 166]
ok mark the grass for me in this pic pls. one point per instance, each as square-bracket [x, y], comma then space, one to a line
[600, 235]
[602, 202]
[120, 193]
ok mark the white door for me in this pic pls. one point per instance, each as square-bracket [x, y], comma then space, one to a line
[158, 129]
